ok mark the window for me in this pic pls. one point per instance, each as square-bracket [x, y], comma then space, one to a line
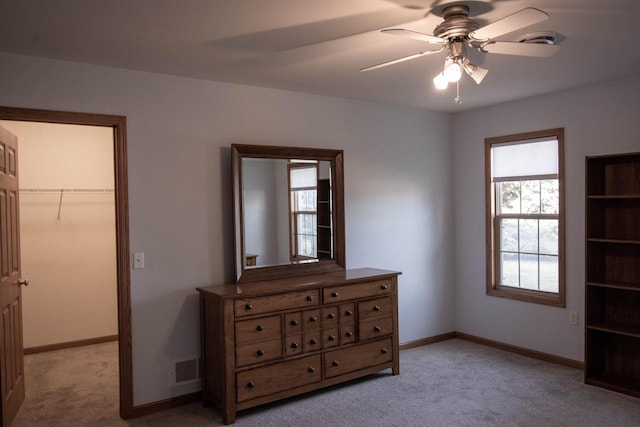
[303, 187]
[525, 217]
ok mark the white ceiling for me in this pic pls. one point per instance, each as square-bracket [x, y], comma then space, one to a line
[318, 46]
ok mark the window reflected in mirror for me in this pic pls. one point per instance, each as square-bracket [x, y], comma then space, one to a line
[287, 211]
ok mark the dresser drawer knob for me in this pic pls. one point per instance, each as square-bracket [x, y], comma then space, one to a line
[294, 345]
[332, 337]
[313, 319]
[348, 313]
[376, 308]
[384, 287]
[384, 350]
[335, 363]
[377, 328]
[331, 316]
[309, 298]
[248, 307]
[260, 352]
[349, 334]
[251, 384]
[311, 369]
[294, 322]
[313, 341]
[260, 328]
[334, 294]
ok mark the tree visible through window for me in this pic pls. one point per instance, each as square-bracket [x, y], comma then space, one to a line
[525, 218]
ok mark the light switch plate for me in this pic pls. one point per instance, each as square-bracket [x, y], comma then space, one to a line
[573, 318]
[138, 260]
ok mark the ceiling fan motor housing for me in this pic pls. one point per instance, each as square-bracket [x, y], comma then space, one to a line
[456, 24]
[457, 50]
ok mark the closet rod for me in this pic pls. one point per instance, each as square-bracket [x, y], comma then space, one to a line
[67, 190]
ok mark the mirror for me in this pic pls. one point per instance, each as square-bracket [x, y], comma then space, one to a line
[288, 211]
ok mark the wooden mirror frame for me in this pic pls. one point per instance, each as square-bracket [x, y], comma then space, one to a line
[337, 263]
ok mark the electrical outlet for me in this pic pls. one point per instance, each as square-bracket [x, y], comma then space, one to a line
[138, 260]
[573, 318]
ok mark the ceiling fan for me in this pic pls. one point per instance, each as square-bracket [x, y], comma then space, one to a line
[458, 32]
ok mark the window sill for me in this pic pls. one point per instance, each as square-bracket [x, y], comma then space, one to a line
[536, 297]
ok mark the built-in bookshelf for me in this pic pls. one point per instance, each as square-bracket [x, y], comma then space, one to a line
[612, 311]
[325, 238]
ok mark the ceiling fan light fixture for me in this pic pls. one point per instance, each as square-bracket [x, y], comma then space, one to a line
[476, 73]
[452, 71]
[440, 82]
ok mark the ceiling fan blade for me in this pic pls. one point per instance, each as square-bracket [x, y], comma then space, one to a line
[539, 50]
[414, 35]
[405, 58]
[520, 19]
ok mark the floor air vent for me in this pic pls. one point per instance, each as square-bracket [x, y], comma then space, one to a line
[186, 370]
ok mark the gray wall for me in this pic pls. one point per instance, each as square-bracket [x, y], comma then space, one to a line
[599, 119]
[398, 191]
[260, 209]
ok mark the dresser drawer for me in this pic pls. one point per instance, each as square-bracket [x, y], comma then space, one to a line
[293, 322]
[360, 290]
[330, 316]
[259, 329]
[260, 305]
[258, 352]
[312, 340]
[311, 319]
[279, 377]
[347, 313]
[293, 345]
[342, 361]
[375, 328]
[373, 309]
[347, 334]
[330, 337]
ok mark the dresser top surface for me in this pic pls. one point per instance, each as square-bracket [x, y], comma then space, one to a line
[296, 283]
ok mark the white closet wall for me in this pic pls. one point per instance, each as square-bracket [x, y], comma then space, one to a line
[67, 243]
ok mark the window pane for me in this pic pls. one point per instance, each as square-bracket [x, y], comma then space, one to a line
[509, 193]
[529, 235]
[509, 235]
[509, 269]
[549, 236]
[549, 275]
[307, 246]
[530, 195]
[550, 193]
[529, 271]
[298, 201]
[307, 224]
[305, 201]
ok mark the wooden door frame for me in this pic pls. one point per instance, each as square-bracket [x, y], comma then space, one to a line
[119, 125]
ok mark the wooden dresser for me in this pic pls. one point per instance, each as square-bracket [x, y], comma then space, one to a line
[264, 341]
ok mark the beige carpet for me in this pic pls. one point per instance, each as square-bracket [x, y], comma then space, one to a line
[69, 387]
[452, 383]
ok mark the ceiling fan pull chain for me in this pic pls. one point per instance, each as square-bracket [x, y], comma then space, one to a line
[457, 98]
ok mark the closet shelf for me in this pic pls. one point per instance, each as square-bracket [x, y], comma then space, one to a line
[63, 191]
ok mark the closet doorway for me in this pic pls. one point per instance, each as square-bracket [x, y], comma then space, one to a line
[68, 194]
[67, 234]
